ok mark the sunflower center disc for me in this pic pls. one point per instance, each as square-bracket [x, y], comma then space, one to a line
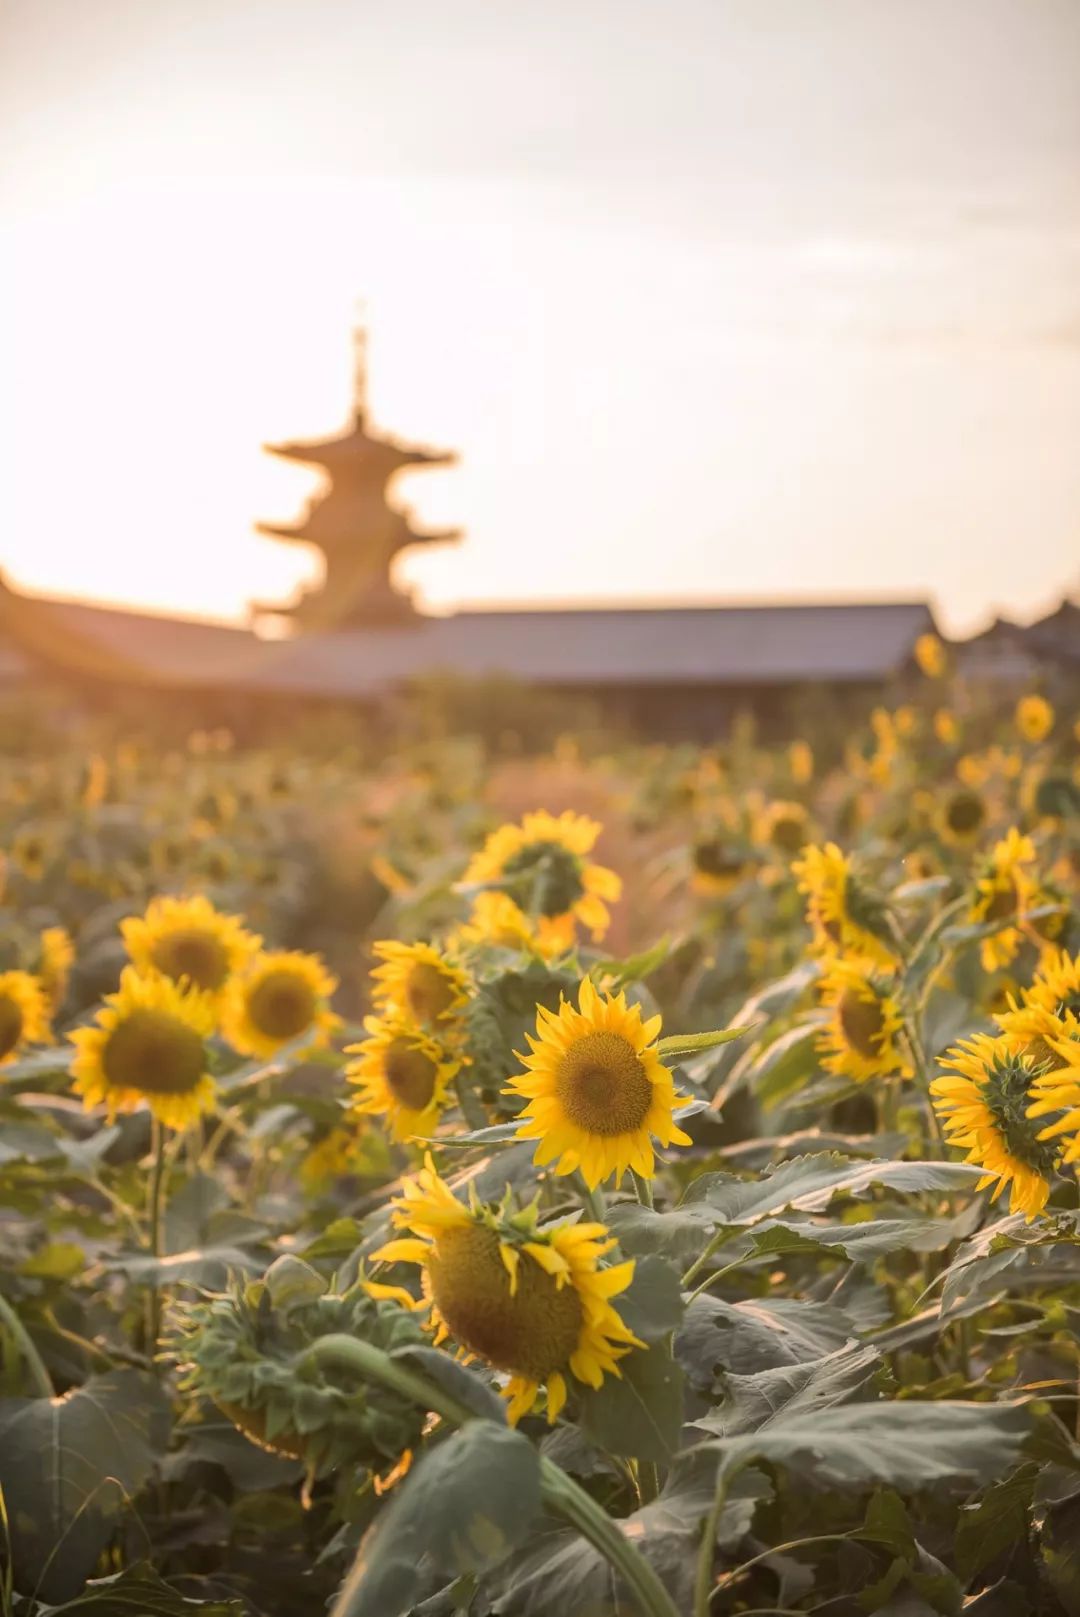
[966, 813]
[544, 878]
[11, 1025]
[714, 859]
[863, 1023]
[603, 1085]
[1002, 905]
[410, 1075]
[788, 833]
[428, 992]
[154, 1052]
[282, 1005]
[532, 1333]
[192, 953]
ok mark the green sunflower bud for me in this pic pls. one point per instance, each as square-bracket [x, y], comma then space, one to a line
[247, 1350]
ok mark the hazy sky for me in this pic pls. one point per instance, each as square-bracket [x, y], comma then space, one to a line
[721, 298]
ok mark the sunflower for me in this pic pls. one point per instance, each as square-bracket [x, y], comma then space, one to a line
[1048, 1039]
[32, 853]
[280, 996]
[718, 864]
[1034, 718]
[782, 826]
[1056, 985]
[842, 912]
[533, 1303]
[418, 982]
[24, 1014]
[596, 1089]
[984, 1104]
[543, 865]
[961, 817]
[55, 958]
[801, 762]
[495, 920]
[402, 1075]
[1002, 892]
[860, 1038]
[946, 728]
[187, 940]
[931, 656]
[148, 1045]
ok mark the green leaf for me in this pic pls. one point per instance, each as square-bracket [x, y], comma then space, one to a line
[997, 1520]
[652, 1304]
[685, 1044]
[788, 1392]
[784, 1066]
[906, 1444]
[756, 1334]
[808, 1184]
[139, 1592]
[639, 1413]
[462, 1509]
[68, 1466]
[561, 1573]
[636, 967]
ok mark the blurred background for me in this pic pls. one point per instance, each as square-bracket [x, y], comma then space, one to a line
[717, 300]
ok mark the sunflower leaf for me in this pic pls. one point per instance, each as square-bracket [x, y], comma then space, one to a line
[685, 1044]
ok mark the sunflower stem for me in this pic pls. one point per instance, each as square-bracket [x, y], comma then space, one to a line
[642, 1188]
[156, 1204]
[34, 1363]
[559, 1491]
[594, 1200]
[703, 1583]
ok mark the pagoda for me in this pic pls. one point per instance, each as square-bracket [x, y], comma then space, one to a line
[352, 522]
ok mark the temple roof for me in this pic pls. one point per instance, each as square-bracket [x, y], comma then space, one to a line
[738, 646]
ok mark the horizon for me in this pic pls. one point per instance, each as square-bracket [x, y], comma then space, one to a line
[721, 305]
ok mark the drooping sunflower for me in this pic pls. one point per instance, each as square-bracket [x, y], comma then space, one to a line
[1002, 890]
[843, 913]
[984, 1105]
[147, 1047]
[860, 1039]
[188, 940]
[961, 817]
[543, 865]
[419, 982]
[597, 1092]
[282, 995]
[56, 955]
[24, 1014]
[402, 1075]
[1034, 718]
[534, 1303]
[1049, 1039]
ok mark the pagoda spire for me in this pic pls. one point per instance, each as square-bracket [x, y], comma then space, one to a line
[352, 521]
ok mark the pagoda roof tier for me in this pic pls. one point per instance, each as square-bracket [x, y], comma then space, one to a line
[360, 450]
[329, 534]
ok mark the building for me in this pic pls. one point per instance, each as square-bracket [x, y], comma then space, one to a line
[357, 638]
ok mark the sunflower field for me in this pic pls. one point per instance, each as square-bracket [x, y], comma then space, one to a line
[627, 1184]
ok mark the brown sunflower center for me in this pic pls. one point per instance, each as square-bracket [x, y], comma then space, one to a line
[965, 813]
[194, 953]
[863, 1023]
[716, 859]
[282, 1004]
[532, 1333]
[1041, 1057]
[1001, 905]
[410, 1075]
[11, 1024]
[429, 993]
[788, 832]
[603, 1085]
[155, 1052]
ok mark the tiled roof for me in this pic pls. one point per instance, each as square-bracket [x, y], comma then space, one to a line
[588, 647]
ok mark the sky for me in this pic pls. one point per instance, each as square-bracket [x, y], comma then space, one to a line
[717, 299]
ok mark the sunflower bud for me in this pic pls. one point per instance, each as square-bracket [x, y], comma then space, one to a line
[247, 1350]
